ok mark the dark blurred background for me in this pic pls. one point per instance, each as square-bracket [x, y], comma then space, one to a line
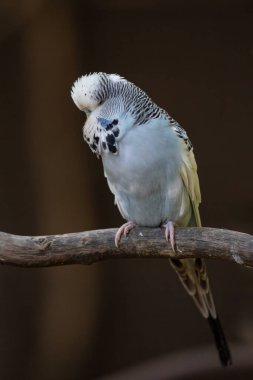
[195, 59]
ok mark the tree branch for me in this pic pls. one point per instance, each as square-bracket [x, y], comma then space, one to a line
[93, 246]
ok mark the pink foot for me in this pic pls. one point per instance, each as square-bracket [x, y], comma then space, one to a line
[123, 230]
[170, 233]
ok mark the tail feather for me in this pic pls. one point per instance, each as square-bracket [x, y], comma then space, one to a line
[220, 341]
[193, 276]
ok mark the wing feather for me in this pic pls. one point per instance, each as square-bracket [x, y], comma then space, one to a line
[190, 178]
[192, 273]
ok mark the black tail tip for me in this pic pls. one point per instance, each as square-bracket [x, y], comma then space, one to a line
[220, 341]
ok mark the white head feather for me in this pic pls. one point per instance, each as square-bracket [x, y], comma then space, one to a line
[85, 88]
[83, 92]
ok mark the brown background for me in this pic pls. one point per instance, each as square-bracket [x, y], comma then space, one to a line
[194, 58]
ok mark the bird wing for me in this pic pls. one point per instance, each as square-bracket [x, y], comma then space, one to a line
[188, 171]
[192, 272]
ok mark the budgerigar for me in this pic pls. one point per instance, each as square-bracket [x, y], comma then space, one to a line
[151, 170]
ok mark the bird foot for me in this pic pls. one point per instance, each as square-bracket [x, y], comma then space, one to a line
[170, 233]
[123, 230]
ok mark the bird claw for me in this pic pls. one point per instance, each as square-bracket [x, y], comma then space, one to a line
[170, 234]
[123, 230]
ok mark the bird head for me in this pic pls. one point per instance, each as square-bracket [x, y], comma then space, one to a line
[92, 90]
[99, 96]
[112, 105]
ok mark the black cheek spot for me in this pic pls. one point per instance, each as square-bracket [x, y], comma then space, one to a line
[108, 127]
[115, 122]
[116, 132]
[110, 139]
[96, 139]
[112, 148]
[94, 146]
[88, 139]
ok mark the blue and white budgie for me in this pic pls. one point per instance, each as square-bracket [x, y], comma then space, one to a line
[151, 170]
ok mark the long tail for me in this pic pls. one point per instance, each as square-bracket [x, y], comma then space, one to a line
[193, 275]
[220, 341]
